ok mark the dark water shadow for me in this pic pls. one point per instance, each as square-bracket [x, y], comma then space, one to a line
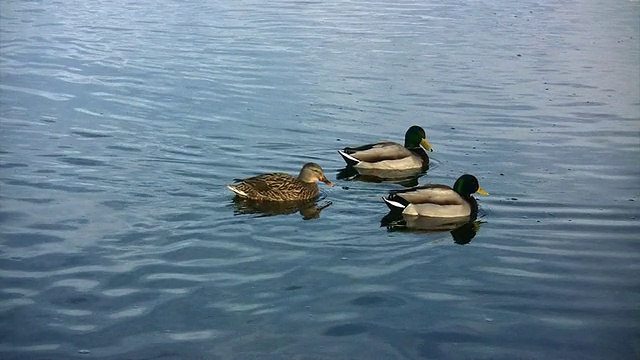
[308, 209]
[345, 330]
[463, 229]
[407, 178]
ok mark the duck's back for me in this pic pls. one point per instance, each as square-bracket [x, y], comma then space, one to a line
[433, 194]
[379, 151]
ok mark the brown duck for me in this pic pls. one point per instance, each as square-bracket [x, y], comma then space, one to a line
[281, 186]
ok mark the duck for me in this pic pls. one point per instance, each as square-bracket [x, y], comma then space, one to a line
[282, 186]
[391, 156]
[438, 201]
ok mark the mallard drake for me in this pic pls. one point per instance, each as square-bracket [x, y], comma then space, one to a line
[436, 200]
[389, 155]
[281, 186]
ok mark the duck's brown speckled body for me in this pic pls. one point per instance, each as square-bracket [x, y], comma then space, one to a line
[281, 186]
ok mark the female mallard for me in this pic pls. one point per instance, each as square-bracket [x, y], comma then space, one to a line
[437, 200]
[389, 155]
[281, 186]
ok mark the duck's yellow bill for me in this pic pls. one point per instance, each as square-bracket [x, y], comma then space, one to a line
[426, 144]
[482, 192]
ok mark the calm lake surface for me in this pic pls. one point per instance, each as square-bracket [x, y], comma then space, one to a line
[122, 121]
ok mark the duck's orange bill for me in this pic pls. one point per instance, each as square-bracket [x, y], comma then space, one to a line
[326, 181]
[482, 192]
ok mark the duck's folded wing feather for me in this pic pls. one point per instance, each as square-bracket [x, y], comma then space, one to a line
[434, 195]
[257, 184]
[268, 182]
[379, 152]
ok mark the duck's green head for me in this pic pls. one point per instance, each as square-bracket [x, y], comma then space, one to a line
[414, 137]
[467, 185]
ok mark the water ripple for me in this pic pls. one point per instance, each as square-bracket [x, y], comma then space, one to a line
[122, 122]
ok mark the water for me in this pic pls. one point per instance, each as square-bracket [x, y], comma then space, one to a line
[123, 120]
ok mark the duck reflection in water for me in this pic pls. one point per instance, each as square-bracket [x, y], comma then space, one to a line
[406, 178]
[309, 209]
[462, 229]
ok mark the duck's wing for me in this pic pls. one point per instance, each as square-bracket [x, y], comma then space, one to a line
[435, 201]
[377, 152]
[429, 194]
[268, 182]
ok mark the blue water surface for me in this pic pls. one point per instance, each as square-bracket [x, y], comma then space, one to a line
[122, 121]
